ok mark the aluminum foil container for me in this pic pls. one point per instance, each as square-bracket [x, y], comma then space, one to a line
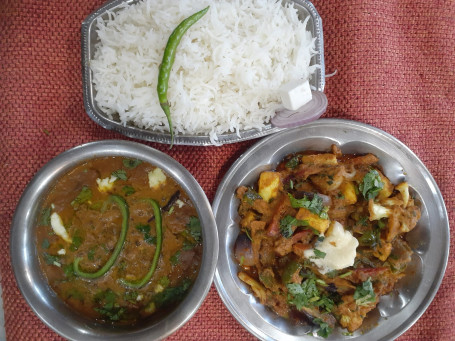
[90, 38]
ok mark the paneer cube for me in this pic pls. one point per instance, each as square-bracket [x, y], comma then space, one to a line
[378, 211]
[383, 251]
[320, 159]
[316, 222]
[387, 190]
[247, 219]
[348, 191]
[269, 185]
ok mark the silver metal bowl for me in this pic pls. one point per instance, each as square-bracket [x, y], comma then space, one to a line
[34, 286]
[89, 39]
[397, 311]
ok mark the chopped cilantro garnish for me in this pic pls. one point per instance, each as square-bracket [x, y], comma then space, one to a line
[291, 184]
[363, 221]
[45, 244]
[171, 295]
[84, 196]
[91, 254]
[370, 238]
[314, 205]
[364, 293]
[324, 329]
[50, 259]
[371, 185]
[150, 239]
[128, 190]
[286, 225]
[187, 245]
[131, 296]
[68, 270]
[195, 229]
[145, 229]
[108, 307]
[77, 241]
[131, 163]
[46, 217]
[175, 258]
[308, 295]
[251, 195]
[120, 173]
[381, 224]
[319, 254]
[293, 162]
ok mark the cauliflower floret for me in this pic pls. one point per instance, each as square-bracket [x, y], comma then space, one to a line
[156, 178]
[378, 211]
[105, 185]
[403, 188]
[393, 201]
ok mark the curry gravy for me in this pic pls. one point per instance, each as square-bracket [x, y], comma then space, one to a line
[94, 224]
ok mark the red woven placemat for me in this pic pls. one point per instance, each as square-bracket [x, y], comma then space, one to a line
[396, 71]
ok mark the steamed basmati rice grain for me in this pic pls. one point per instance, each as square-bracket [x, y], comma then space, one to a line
[227, 71]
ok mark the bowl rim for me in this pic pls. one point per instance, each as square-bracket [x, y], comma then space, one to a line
[32, 283]
[316, 130]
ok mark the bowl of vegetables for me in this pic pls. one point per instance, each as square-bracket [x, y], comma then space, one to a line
[334, 230]
[114, 239]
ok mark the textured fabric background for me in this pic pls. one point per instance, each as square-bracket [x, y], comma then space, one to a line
[396, 71]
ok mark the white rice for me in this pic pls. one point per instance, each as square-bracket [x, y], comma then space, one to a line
[227, 71]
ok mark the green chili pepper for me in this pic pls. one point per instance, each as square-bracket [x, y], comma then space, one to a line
[118, 248]
[168, 61]
[159, 242]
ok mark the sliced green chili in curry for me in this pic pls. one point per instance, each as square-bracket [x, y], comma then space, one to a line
[121, 203]
[156, 257]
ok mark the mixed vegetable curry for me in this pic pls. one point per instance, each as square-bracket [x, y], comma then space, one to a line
[119, 240]
[322, 237]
